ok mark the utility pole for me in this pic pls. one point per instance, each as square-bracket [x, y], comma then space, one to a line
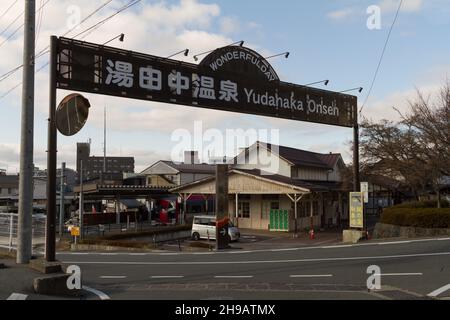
[61, 201]
[24, 234]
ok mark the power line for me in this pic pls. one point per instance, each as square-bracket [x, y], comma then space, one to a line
[11, 23]
[9, 8]
[382, 56]
[45, 50]
[21, 26]
[98, 24]
[19, 84]
[39, 24]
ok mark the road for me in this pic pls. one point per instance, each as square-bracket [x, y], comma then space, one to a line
[409, 270]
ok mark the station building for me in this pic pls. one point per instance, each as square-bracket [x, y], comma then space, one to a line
[305, 184]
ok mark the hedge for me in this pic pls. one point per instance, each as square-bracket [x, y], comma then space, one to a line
[423, 204]
[417, 217]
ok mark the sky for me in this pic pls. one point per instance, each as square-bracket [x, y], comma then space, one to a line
[327, 39]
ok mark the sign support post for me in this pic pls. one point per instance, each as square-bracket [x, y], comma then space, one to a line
[51, 158]
[221, 207]
[356, 178]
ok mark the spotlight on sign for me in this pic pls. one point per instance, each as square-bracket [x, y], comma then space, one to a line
[360, 89]
[240, 43]
[325, 82]
[72, 114]
[285, 54]
[185, 52]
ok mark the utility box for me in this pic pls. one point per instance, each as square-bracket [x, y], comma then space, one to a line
[279, 220]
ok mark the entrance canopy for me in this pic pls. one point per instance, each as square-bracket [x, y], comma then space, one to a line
[103, 192]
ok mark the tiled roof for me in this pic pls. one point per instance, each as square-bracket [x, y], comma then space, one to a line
[305, 158]
[192, 168]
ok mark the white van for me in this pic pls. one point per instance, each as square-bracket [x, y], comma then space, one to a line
[204, 227]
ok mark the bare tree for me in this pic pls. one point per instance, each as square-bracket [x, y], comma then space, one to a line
[415, 149]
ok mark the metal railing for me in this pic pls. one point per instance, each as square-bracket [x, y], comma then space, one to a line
[8, 230]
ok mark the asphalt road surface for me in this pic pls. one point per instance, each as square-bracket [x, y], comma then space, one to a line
[415, 269]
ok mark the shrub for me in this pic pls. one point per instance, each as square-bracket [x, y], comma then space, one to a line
[417, 217]
[423, 204]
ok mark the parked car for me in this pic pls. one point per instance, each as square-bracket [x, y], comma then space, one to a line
[204, 227]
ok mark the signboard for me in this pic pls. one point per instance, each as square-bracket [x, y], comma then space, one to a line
[356, 210]
[75, 231]
[232, 78]
[365, 191]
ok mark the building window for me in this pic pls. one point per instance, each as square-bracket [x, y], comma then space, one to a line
[244, 209]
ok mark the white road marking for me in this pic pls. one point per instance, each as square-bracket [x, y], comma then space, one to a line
[399, 274]
[100, 294]
[170, 254]
[138, 254]
[310, 275]
[339, 246]
[248, 251]
[17, 296]
[108, 254]
[439, 291]
[262, 250]
[259, 261]
[167, 277]
[113, 277]
[233, 277]
[393, 242]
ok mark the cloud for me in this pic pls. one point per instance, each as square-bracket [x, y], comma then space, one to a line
[341, 14]
[407, 6]
[229, 25]
[378, 109]
[386, 6]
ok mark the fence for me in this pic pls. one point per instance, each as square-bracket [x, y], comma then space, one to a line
[8, 230]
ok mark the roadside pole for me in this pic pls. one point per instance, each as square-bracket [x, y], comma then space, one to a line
[61, 201]
[24, 233]
[50, 254]
[81, 204]
[356, 179]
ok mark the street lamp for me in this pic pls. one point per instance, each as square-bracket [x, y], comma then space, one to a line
[185, 52]
[285, 54]
[360, 89]
[325, 82]
[121, 38]
[240, 43]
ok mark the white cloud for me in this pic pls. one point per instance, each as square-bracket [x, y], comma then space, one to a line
[229, 25]
[386, 6]
[407, 6]
[341, 14]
